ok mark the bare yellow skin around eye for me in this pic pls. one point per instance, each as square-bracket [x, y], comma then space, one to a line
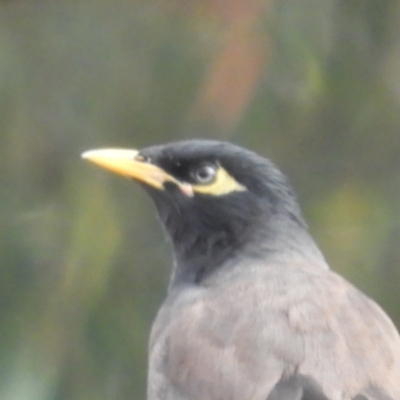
[223, 184]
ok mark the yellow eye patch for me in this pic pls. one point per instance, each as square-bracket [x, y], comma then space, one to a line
[222, 184]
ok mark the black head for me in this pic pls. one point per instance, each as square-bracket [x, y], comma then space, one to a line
[213, 198]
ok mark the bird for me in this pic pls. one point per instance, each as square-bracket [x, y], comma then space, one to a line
[252, 311]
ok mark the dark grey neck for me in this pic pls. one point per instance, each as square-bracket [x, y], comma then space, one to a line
[202, 255]
[285, 239]
[281, 239]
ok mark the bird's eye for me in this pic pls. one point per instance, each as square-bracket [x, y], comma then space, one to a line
[205, 174]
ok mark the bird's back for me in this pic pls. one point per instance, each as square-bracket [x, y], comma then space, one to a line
[275, 332]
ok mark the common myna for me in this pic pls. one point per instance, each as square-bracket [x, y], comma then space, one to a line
[253, 311]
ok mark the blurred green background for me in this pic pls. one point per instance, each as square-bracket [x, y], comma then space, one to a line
[314, 85]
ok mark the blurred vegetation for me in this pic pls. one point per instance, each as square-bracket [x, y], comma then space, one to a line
[84, 265]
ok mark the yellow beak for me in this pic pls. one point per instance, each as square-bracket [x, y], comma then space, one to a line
[130, 164]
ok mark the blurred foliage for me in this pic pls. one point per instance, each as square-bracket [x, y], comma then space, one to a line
[83, 263]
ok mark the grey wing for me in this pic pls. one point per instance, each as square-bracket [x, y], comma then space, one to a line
[352, 348]
[322, 341]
